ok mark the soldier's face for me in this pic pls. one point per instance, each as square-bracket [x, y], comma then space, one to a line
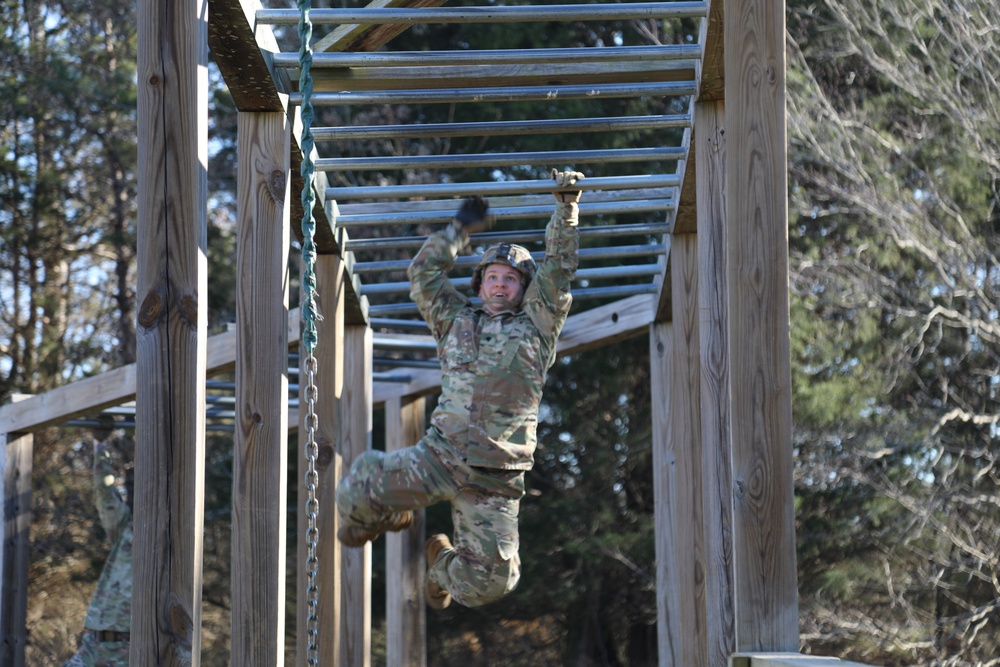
[501, 288]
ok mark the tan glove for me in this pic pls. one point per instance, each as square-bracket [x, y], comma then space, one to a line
[564, 191]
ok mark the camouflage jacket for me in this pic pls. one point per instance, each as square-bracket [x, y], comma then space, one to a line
[111, 606]
[494, 366]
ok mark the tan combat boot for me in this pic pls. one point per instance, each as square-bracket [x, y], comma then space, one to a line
[437, 597]
[350, 536]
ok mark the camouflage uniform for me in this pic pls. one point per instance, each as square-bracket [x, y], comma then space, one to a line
[482, 433]
[110, 609]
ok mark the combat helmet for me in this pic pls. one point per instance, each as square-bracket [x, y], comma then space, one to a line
[510, 254]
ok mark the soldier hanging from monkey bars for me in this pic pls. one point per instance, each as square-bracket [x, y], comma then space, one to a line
[494, 359]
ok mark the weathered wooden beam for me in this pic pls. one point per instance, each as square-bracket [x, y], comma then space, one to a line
[713, 327]
[172, 294]
[329, 380]
[678, 471]
[355, 438]
[713, 66]
[15, 490]
[666, 511]
[766, 594]
[406, 611]
[260, 459]
[473, 76]
[368, 36]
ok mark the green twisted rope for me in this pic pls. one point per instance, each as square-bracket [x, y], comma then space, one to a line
[311, 477]
[308, 171]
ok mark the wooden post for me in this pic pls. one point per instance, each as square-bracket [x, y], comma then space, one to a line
[15, 476]
[757, 214]
[713, 327]
[680, 555]
[329, 392]
[405, 568]
[665, 497]
[172, 75]
[355, 431]
[260, 459]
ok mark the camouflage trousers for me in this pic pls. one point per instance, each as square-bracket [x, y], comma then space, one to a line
[93, 653]
[484, 565]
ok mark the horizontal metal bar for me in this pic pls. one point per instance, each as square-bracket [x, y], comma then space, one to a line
[503, 127]
[501, 159]
[502, 93]
[499, 187]
[407, 344]
[597, 273]
[502, 14]
[408, 363]
[405, 325]
[523, 236]
[619, 206]
[468, 261]
[580, 294]
[609, 54]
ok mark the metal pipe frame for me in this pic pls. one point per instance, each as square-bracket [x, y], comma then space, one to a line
[408, 363]
[524, 236]
[499, 187]
[502, 213]
[616, 155]
[502, 14]
[503, 127]
[612, 54]
[406, 325]
[501, 93]
[468, 261]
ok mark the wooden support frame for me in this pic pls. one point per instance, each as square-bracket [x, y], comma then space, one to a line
[713, 327]
[15, 489]
[766, 595]
[405, 565]
[354, 439]
[172, 74]
[260, 443]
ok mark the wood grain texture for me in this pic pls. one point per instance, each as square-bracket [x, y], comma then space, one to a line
[172, 114]
[684, 438]
[15, 478]
[666, 509]
[355, 438]
[329, 379]
[334, 80]
[369, 36]
[713, 327]
[756, 181]
[405, 566]
[260, 439]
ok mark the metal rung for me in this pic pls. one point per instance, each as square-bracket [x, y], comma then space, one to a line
[405, 325]
[509, 207]
[614, 252]
[615, 54]
[618, 206]
[408, 363]
[501, 159]
[499, 188]
[618, 291]
[598, 273]
[504, 127]
[502, 14]
[502, 93]
[525, 236]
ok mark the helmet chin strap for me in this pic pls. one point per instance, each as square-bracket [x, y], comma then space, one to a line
[493, 304]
